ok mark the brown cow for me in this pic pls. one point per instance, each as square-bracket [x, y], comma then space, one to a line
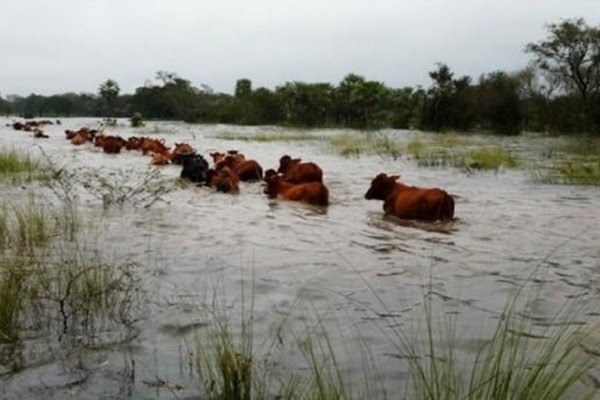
[312, 193]
[79, 138]
[134, 143]
[224, 180]
[249, 170]
[153, 145]
[180, 148]
[161, 158]
[409, 202]
[295, 171]
[111, 145]
[39, 134]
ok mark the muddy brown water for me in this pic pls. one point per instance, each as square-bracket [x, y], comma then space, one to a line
[348, 266]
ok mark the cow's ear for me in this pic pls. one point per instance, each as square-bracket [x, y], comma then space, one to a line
[395, 177]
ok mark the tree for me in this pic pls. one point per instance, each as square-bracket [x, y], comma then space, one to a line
[571, 52]
[109, 90]
[243, 88]
[499, 105]
[358, 101]
[448, 103]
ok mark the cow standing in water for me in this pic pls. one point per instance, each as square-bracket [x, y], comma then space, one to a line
[312, 192]
[295, 171]
[409, 202]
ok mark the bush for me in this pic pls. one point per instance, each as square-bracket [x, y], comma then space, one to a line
[136, 120]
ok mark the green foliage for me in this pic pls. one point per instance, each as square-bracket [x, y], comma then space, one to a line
[499, 104]
[136, 120]
[571, 54]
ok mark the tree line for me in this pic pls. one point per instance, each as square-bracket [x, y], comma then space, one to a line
[558, 92]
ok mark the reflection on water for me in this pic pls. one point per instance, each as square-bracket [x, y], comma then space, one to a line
[349, 263]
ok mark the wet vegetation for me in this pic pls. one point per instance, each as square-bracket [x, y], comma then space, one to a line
[17, 166]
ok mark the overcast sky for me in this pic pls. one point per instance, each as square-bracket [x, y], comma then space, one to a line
[57, 46]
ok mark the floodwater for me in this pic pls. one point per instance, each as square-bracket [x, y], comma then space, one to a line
[348, 266]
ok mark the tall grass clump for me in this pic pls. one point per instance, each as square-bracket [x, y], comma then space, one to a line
[32, 228]
[491, 158]
[11, 298]
[453, 151]
[372, 143]
[585, 172]
[280, 136]
[521, 360]
[232, 364]
[18, 167]
[226, 362]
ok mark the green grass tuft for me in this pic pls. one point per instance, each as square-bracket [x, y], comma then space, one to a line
[19, 167]
[348, 145]
[288, 136]
[520, 361]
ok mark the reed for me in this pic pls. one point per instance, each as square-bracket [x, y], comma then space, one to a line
[519, 361]
[286, 136]
[354, 145]
[19, 167]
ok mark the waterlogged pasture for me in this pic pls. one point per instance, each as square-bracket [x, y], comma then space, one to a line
[119, 281]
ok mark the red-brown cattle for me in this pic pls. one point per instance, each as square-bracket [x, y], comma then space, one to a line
[409, 202]
[161, 158]
[312, 193]
[224, 180]
[79, 138]
[217, 157]
[134, 143]
[153, 145]
[249, 170]
[39, 134]
[112, 145]
[180, 148]
[295, 171]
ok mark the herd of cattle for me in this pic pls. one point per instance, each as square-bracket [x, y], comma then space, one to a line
[293, 180]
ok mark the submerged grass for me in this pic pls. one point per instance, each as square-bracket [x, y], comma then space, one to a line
[454, 151]
[52, 286]
[286, 136]
[584, 172]
[18, 167]
[354, 145]
[519, 361]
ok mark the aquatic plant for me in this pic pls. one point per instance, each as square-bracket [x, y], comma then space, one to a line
[136, 120]
[489, 158]
[280, 136]
[126, 186]
[351, 144]
[451, 154]
[19, 167]
[520, 361]
[584, 172]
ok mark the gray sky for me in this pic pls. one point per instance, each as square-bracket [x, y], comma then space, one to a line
[55, 46]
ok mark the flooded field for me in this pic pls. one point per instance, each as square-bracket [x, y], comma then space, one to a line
[347, 274]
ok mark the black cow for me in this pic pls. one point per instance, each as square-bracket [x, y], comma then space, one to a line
[194, 167]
